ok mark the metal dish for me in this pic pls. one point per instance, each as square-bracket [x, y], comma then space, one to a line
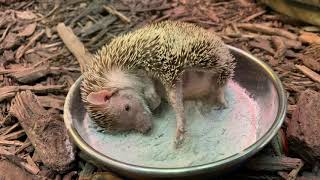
[251, 73]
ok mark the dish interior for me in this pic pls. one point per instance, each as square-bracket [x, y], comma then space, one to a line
[252, 109]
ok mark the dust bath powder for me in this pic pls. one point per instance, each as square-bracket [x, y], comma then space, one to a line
[209, 138]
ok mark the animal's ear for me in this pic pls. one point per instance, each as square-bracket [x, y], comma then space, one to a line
[100, 97]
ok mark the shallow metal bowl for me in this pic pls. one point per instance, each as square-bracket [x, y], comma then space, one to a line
[251, 74]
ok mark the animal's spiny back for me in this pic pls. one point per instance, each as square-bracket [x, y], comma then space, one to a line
[165, 50]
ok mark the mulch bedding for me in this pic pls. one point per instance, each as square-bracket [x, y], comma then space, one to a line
[34, 59]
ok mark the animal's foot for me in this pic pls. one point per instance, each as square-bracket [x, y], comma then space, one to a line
[153, 99]
[205, 108]
[221, 105]
[180, 136]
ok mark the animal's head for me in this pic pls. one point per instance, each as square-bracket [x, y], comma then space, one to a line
[119, 110]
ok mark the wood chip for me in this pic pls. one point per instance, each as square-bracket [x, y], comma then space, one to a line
[10, 129]
[28, 30]
[311, 57]
[15, 143]
[303, 130]
[273, 163]
[20, 53]
[51, 102]
[31, 74]
[212, 16]
[46, 131]
[21, 163]
[26, 144]
[4, 152]
[74, 45]
[5, 32]
[15, 172]
[253, 16]
[14, 135]
[10, 41]
[279, 45]
[8, 92]
[27, 15]
[262, 44]
[308, 37]
[308, 72]
[31, 163]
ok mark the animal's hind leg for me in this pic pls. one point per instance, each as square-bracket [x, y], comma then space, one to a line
[220, 98]
[176, 100]
[216, 95]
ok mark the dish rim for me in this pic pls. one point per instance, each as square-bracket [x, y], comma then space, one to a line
[192, 170]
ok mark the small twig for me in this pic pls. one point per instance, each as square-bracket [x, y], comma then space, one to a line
[253, 16]
[268, 30]
[32, 40]
[7, 71]
[113, 11]
[91, 18]
[93, 7]
[26, 144]
[297, 74]
[16, 143]
[65, 69]
[43, 47]
[10, 91]
[219, 4]
[56, 6]
[14, 135]
[308, 72]
[31, 163]
[103, 23]
[21, 163]
[5, 32]
[4, 152]
[10, 129]
[53, 56]
[163, 7]
[303, 83]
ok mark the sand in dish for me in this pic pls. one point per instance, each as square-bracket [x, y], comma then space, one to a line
[209, 138]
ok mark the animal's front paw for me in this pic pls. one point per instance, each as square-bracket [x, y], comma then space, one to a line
[153, 99]
[222, 105]
[180, 136]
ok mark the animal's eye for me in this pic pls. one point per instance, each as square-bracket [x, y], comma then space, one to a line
[127, 107]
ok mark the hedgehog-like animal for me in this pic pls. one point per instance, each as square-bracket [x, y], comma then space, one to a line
[118, 86]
